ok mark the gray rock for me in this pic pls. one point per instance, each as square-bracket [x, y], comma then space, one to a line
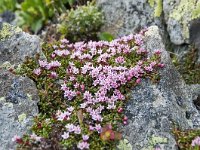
[154, 109]
[15, 45]
[195, 36]
[18, 106]
[178, 15]
[18, 95]
[127, 16]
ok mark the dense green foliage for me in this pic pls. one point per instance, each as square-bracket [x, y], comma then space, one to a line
[6, 5]
[81, 23]
[34, 14]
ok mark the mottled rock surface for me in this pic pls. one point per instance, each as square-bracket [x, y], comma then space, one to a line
[155, 108]
[18, 106]
[18, 95]
[15, 45]
[127, 16]
[178, 15]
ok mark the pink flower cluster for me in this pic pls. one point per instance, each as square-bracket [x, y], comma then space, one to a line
[64, 115]
[106, 64]
[196, 141]
[72, 128]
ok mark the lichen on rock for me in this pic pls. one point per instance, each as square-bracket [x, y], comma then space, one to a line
[179, 14]
[158, 6]
[8, 30]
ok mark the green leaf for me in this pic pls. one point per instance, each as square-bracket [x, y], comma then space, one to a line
[104, 36]
[37, 26]
[71, 2]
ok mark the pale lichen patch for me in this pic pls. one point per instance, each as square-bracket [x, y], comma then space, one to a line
[8, 30]
[184, 12]
[158, 7]
[21, 117]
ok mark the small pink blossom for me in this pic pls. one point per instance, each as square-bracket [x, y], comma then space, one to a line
[42, 63]
[83, 145]
[70, 108]
[53, 64]
[53, 74]
[98, 128]
[15, 138]
[119, 60]
[53, 55]
[70, 127]
[91, 128]
[161, 65]
[63, 115]
[138, 80]
[77, 130]
[157, 52]
[85, 137]
[140, 51]
[37, 71]
[157, 148]
[65, 41]
[82, 87]
[35, 137]
[196, 141]
[65, 135]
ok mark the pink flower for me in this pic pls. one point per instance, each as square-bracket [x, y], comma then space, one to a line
[37, 71]
[42, 63]
[119, 110]
[83, 105]
[35, 137]
[70, 108]
[161, 65]
[69, 94]
[98, 128]
[15, 138]
[138, 39]
[62, 46]
[140, 51]
[85, 137]
[91, 128]
[138, 80]
[53, 64]
[65, 135]
[157, 52]
[119, 60]
[53, 74]
[70, 127]
[82, 87]
[196, 141]
[64, 41]
[63, 115]
[77, 130]
[55, 46]
[148, 68]
[72, 78]
[53, 55]
[157, 148]
[83, 145]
